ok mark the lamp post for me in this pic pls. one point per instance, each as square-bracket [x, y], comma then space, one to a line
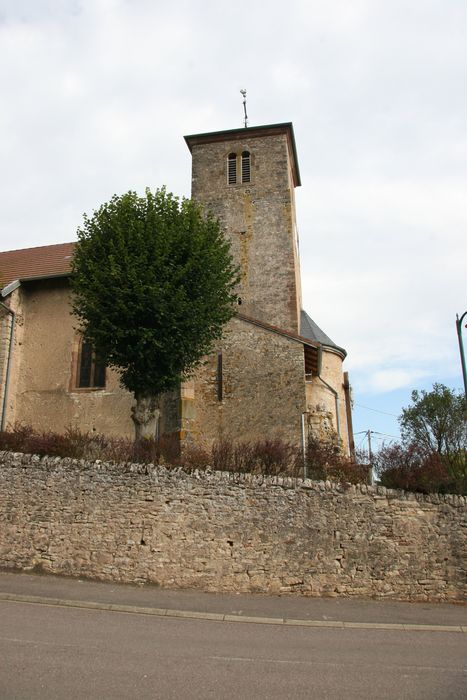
[461, 349]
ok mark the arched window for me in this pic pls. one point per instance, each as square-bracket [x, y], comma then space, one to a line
[91, 371]
[232, 169]
[246, 169]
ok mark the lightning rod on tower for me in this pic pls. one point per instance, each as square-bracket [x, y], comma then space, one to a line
[245, 121]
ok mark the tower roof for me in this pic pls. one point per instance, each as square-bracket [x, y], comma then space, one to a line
[246, 133]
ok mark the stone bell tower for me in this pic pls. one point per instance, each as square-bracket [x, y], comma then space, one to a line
[246, 177]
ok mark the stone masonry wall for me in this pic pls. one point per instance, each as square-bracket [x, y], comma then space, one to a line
[221, 532]
[263, 388]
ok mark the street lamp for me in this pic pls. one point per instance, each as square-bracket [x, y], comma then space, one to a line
[461, 349]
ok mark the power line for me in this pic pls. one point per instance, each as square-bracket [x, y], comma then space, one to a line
[377, 435]
[376, 410]
[396, 437]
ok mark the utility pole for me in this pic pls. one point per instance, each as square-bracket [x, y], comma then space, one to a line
[370, 458]
[461, 350]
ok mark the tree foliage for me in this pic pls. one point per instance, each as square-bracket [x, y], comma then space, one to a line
[153, 285]
[433, 453]
[435, 421]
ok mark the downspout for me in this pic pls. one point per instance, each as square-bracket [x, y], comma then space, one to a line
[348, 410]
[305, 474]
[8, 365]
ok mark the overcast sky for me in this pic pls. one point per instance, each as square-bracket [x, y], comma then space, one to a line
[96, 96]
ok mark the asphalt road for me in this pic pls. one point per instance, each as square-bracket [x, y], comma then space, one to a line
[60, 651]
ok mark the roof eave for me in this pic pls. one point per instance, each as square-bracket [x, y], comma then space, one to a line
[251, 132]
[335, 349]
[11, 286]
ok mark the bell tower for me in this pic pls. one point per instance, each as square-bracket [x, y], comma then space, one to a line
[246, 178]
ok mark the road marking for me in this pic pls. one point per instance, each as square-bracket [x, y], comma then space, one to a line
[338, 664]
[38, 642]
[220, 617]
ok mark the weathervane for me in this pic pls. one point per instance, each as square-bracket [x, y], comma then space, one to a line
[243, 92]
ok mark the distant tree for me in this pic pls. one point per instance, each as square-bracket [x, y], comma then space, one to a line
[435, 421]
[433, 453]
[153, 286]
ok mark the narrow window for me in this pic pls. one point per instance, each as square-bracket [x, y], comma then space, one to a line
[91, 371]
[246, 169]
[232, 169]
[220, 394]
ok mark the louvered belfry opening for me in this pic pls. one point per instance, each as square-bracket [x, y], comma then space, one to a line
[232, 169]
[246, 167]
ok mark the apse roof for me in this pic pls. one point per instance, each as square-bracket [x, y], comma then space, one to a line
[309, 329]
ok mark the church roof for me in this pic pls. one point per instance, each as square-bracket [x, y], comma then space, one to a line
[36, 263]
[55, 261]
[249, 132]
[310, 330]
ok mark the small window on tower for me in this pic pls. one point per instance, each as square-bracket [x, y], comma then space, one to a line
[232, 169]
[246, 169]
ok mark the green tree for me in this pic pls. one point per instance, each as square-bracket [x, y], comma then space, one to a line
[436, 423]
[153, 286]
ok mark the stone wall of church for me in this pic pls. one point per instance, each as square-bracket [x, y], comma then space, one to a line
[233, 533]
[263, 387]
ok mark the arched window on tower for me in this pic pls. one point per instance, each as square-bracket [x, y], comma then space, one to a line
[246, 166]
[232, 169]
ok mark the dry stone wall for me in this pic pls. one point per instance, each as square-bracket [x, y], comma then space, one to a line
[224, 532]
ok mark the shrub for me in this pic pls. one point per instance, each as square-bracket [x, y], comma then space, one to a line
[325, 461]
[413, 469]
[267, 457]
[85, 445]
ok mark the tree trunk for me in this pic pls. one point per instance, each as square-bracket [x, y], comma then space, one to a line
[145, 415]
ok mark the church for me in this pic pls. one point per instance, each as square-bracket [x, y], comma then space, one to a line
[275, 373]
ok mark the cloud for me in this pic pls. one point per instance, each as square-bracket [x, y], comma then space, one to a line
[392, 379]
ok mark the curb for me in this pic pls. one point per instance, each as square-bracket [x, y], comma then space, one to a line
[220, 617]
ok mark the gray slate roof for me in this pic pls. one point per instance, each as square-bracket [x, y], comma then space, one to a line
[309, 330]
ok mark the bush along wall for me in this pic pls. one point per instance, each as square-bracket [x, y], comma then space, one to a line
[219, 531]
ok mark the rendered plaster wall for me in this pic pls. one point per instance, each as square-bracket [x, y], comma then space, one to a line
[221, 532]
[42, 390]
[263, 387]
[259, 220]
